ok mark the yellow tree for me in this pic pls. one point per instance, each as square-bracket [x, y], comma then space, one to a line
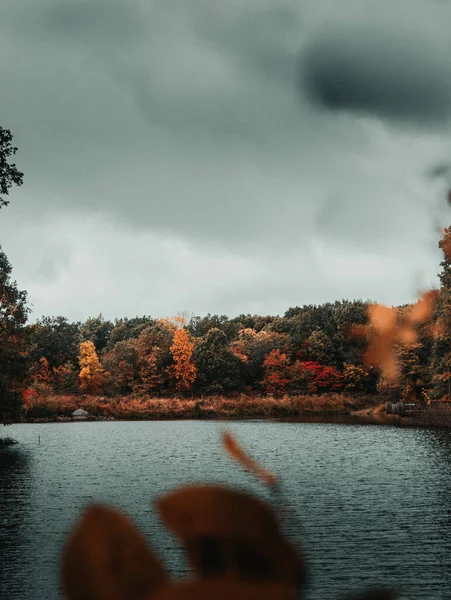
[92, 374]
[184, 370]
[354, 377]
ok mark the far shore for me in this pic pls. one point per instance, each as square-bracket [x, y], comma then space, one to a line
[325, 408]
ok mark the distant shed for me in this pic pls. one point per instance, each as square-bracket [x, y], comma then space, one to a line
[80, 414]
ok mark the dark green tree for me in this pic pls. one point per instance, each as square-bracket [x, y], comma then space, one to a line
[218, 369]
[255, 322]
[55, 339]
[255, 346]
[126, 329]
[96, 330]
[153, 358]
[13, 309]
[200, 326]
[13, 359]
[441, 350]
[121, 362]
[9, 173]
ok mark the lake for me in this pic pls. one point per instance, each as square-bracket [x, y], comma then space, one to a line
[373, 503]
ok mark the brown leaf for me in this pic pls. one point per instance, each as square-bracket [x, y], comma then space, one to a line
[236, 452]
[382, 317]
[380, 353]
[406, 335]
[107, 558]
[384, 332]
[226, 532]
[423, 309]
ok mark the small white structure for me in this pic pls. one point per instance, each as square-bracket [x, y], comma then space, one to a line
[80, 414]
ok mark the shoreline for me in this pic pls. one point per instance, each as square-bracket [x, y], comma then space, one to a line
[360, 417]
[330, 408]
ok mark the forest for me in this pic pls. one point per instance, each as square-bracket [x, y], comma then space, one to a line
[54, 366]
[326, 354]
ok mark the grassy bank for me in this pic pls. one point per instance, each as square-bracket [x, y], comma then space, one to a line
[129, 407]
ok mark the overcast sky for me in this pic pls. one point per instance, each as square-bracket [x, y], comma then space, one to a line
[224, 156]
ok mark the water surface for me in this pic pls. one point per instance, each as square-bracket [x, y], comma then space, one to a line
[373, 503]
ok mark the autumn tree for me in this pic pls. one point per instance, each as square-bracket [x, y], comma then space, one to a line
[252, 347]
[184, 370]
[43, 373]
[65, 379]
[121, 362]
[322, 378]
[355, 378]
[154, 358]
[321, 333]
[92, 374]
[310, 377]
[13, 359]
[276, 372]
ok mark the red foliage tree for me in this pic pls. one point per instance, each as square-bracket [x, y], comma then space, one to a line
[276, 372]
[322, 378]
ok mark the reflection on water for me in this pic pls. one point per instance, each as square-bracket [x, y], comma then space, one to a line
[372, 504]
[15, 518]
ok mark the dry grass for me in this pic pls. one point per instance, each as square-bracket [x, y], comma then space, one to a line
[138, 407]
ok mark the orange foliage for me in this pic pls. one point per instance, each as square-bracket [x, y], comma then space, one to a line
[239, 353]
[28, 397]
[92, 375]
[183, 368]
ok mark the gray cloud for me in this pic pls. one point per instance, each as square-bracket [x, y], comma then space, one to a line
[389, 63]
[178, 128]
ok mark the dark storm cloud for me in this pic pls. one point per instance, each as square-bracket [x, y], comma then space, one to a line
[385, 67]
[171, 159]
